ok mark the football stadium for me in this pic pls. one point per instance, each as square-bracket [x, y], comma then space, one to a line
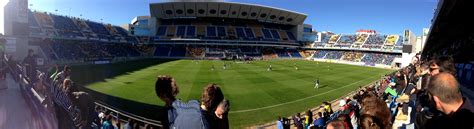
[218, 64]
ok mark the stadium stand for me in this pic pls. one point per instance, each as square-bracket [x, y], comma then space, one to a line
[360, 40]
[99, 29]
[332, 40]
[66, 27]
[353, 56]
[46, 23]
[73, 40]
[375, 41]
[335, 55]
[324, 39]
[369, 58]
[345, 41]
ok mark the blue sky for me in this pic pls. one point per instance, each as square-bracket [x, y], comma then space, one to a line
[339, 16]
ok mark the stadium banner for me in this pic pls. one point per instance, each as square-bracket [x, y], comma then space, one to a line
[102, 62]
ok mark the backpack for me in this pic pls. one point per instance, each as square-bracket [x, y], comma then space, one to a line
[186, 116]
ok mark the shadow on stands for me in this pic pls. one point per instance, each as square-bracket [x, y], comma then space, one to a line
[148, 111]
[88, 74]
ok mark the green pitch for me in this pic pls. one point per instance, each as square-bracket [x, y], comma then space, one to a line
[256, 95]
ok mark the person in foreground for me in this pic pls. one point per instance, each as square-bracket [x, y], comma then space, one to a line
[181, 115]
[458, 112]
[211, 97]
[222, 113]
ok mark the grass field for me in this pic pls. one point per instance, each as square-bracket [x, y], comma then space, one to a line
[256, 95]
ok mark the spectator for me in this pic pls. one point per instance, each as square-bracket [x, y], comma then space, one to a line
[116, 123]
[319, 121]
[337, 124]
[30, 64]
[40, 86]
[369, 122]
[181, 115]
[65, 74]
[458, 112]
[210, 99]
[222, 113]
[280, 123]
[378, 109]
[423, 73]
[442, 64]
[97, 116]
[297, 121]
[344, 118]
[107, 124]
[328, 108]
[308, 118]
[129, 124]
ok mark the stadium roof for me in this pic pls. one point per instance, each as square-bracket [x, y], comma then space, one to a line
[170, 10]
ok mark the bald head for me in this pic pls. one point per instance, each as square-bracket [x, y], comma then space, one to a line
[445, 87]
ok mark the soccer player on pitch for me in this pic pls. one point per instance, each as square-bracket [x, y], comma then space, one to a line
[296, 67]
[316, 85]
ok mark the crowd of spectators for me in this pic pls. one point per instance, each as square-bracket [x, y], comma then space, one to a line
[353, 56]
[374, 41]
[424, 95]
[346, 41]
[366, 57]
[195, 51]
[82, 51]
[336, 55]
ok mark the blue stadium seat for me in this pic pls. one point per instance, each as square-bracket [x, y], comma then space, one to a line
[121, 31]
[374, 41]
[294, 53]
[275, 34]
[240, 32]
[291, 36]
[181, 31]
[65, 26]
[320, 54]
[161, 31]
[334, 55]
[221, 32]
[267, 34]
[162, 51]
[469, 78]
[249, 33]
[98, 28]
[178, 52]
[346, 41]
[191, 31]
[211, 31]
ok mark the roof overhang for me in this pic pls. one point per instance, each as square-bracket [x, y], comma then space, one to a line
[175, 10]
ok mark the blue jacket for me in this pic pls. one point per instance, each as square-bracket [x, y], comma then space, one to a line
[186, 116]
